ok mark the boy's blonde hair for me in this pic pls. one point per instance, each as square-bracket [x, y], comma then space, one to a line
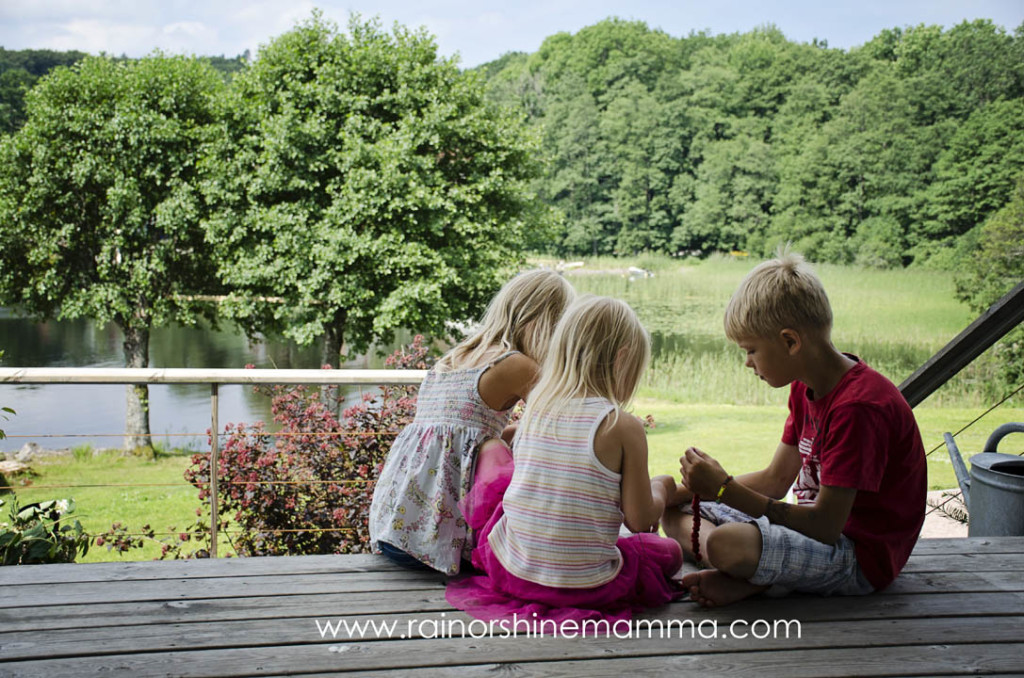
[585, 358]
[780, 293]
[521, 317]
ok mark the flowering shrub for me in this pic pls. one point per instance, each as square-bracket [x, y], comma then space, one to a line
[307, 488]
[119, 539]
[35, 534]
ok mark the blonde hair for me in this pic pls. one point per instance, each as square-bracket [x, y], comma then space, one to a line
[780, 293]
[521, 317]
[587, 357]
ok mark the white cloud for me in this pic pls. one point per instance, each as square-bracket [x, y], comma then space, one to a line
[94, 35]
[190, 29]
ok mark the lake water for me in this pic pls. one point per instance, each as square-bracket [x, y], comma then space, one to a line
[179, 414]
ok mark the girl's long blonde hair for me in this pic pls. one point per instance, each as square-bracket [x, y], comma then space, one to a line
[599, 349]
[521, 317]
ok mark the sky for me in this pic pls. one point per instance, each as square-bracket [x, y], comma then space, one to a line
[478, 31]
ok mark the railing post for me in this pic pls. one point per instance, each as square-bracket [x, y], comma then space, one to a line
[214, 453]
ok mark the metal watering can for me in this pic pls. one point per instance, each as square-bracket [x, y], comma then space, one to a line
[994, 490]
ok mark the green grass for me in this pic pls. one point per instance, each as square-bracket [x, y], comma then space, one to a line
[895, 320]
[109, 487]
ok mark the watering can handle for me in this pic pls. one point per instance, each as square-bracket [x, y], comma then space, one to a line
[959, 467]
[993, 440]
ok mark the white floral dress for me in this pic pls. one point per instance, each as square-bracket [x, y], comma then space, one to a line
[430, 468]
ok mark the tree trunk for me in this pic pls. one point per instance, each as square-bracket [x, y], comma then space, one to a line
[136, 421]
[333, 342]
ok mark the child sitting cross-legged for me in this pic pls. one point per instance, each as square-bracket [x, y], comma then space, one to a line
[549, 517]
[850, 444]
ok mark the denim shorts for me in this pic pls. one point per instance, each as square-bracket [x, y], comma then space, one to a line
[400, 557]
[792, 561]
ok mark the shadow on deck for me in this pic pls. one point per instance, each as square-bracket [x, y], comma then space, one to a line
[958, 608]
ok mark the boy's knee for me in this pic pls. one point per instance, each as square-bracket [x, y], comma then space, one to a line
[735, 548]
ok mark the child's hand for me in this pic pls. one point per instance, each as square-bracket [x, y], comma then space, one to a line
[701, 473]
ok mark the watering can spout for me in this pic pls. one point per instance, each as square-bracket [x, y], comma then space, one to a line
[962, 476]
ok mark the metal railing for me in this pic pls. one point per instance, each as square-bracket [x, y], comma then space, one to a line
[215, 378]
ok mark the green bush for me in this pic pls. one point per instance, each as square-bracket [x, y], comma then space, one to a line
[41, 533]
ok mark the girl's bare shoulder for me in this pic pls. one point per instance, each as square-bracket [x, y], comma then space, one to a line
[621, 426]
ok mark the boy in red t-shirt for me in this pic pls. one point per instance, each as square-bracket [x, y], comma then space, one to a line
[850, 444]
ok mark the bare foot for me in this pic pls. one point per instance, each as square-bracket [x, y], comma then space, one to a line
[712, 588]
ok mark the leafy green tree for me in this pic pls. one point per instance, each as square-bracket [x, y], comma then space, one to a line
[976, 171]
[99, 211]
[994, 265]
[853, 188]
[645, 160]
[573, 178]
[363, 184]
[956, 72]
[735, 185]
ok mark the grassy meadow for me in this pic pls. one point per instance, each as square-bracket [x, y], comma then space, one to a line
[697, 389]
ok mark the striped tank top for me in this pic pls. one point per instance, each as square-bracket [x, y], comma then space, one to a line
[562, 508]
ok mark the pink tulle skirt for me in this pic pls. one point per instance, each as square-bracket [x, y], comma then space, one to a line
[644, 581]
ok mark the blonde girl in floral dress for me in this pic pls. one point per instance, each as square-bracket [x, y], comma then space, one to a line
[463, 407]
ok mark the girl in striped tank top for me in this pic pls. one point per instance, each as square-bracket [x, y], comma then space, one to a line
[549, 521]
[462, 407]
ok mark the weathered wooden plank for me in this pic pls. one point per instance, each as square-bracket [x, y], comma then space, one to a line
[265, 607]
[273, 593]
[87, 593]
[962, 582]
[969, 545]
[385, 605]
[975, 547]
[174, 569]
[79, 593]
[476, 656]
[808, 608]
[995, 562]
[406, 641]
[294, 565]
[199, 585]
[379, 646]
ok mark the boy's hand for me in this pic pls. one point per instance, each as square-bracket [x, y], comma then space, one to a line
[701, 473]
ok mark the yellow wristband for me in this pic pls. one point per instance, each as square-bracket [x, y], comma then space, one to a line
[721, 490]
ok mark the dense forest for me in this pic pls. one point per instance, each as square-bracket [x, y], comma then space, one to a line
[881, 155]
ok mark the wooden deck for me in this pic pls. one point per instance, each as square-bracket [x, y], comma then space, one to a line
[958, 608]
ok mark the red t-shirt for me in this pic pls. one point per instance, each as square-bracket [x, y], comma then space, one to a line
[863, 435]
